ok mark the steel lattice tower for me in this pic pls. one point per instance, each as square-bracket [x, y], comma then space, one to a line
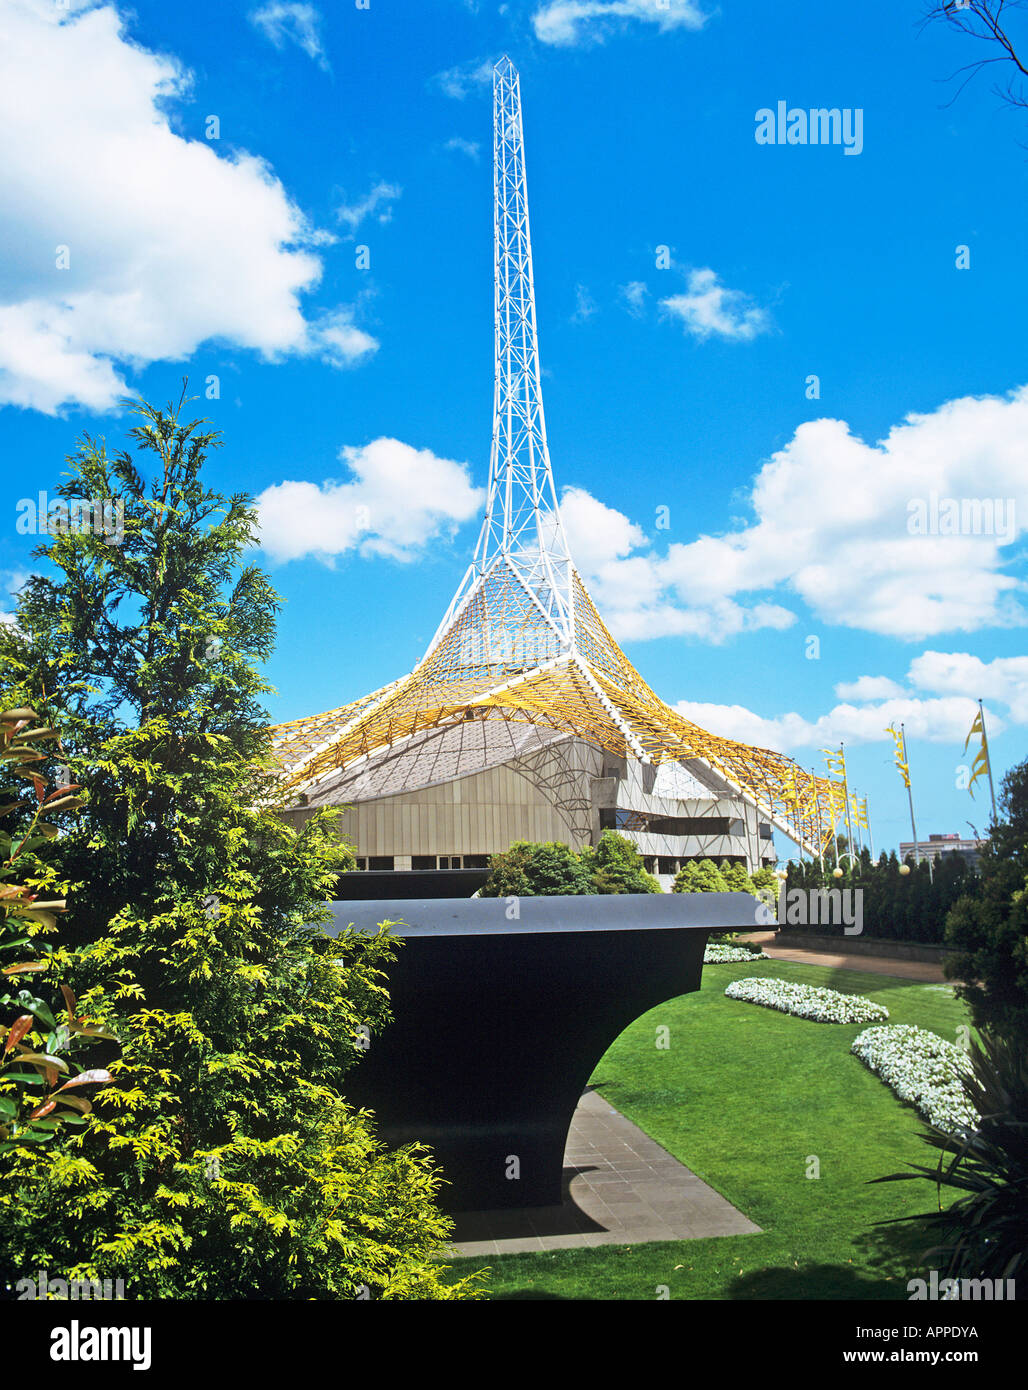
[522, 641]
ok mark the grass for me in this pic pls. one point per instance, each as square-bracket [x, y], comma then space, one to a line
[747, 1097]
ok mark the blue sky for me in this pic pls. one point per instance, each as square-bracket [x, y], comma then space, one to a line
[681, 387]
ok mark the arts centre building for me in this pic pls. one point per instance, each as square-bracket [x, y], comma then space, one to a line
[525, 720]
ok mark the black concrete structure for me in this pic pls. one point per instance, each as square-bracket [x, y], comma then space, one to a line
[502, 1010]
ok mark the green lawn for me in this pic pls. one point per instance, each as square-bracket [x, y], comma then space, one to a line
[744, 1096]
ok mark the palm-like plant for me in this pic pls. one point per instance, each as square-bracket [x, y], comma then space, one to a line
[984, 1233]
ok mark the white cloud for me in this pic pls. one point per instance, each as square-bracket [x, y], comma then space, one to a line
[379, 201]
[170, 243]
[943, 720]
[397, 499]
[339, 341]
[1004, 680]
[292, 23]
[868, 688]
[585, 305]
[830, 528]
[458, 81]
[953, 682]
[711, 310]
[567, 22]
[634, 294]
[471, 148]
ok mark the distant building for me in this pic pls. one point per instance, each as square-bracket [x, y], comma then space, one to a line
[938, 845]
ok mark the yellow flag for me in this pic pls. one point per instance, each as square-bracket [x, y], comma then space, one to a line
[980, 766]
[904, 769]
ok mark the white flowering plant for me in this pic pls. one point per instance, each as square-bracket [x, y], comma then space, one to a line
[924, 1069]
[807, 1001]
[718, 954]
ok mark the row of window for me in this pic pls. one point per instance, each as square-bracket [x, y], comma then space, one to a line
[387, 862]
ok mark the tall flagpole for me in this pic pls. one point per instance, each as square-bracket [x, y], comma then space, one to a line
[988, 759]
[846, 793]
[820, 840]
[910, 797]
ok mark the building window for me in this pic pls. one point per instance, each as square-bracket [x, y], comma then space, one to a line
[422, 861]
[476, 861]
[644, 821]
[361, 863]
[380, 861]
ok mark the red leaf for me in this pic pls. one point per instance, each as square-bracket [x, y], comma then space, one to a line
[96, 1077]
[69, 1000]
[42, 1110]
[17, 1031]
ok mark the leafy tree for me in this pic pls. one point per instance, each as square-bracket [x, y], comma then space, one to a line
[222, 1162]
[616, 866]
[989, 931]
[737, 880]
[765, 880]
[530, 870]
[699, 876]
[984, 1234]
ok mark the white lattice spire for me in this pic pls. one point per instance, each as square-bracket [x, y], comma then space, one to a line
[522, 530]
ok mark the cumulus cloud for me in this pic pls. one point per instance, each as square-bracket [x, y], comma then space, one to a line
[292, 23]
[378, 203]
[396, 500]
[167, 244]
[458, 81]
[709, 309]
[458, 144]
[832, 528]
[339, 341]
[953, 682]
[939, 720]
[569, 22]
[868, 688]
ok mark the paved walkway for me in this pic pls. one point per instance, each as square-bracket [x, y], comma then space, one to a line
[620, 1188]
[922, 970]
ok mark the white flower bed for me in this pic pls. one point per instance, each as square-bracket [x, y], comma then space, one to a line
[921, 1068]
[724, 955]
[807, 1001]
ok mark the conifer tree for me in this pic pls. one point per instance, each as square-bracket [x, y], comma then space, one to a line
[222, 1162]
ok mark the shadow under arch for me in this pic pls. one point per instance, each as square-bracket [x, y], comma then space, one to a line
[501, 1016]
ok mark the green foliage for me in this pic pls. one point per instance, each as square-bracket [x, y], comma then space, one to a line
[895, 907]
[221, 1162]
[699, 876]
[615, 866]
[765, 880]
[989, 930]
[530, 870]
[984, 1234]
[42, 1089]
[736, 879]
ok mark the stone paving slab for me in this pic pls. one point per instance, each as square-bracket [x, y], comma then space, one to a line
[620, 1188]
